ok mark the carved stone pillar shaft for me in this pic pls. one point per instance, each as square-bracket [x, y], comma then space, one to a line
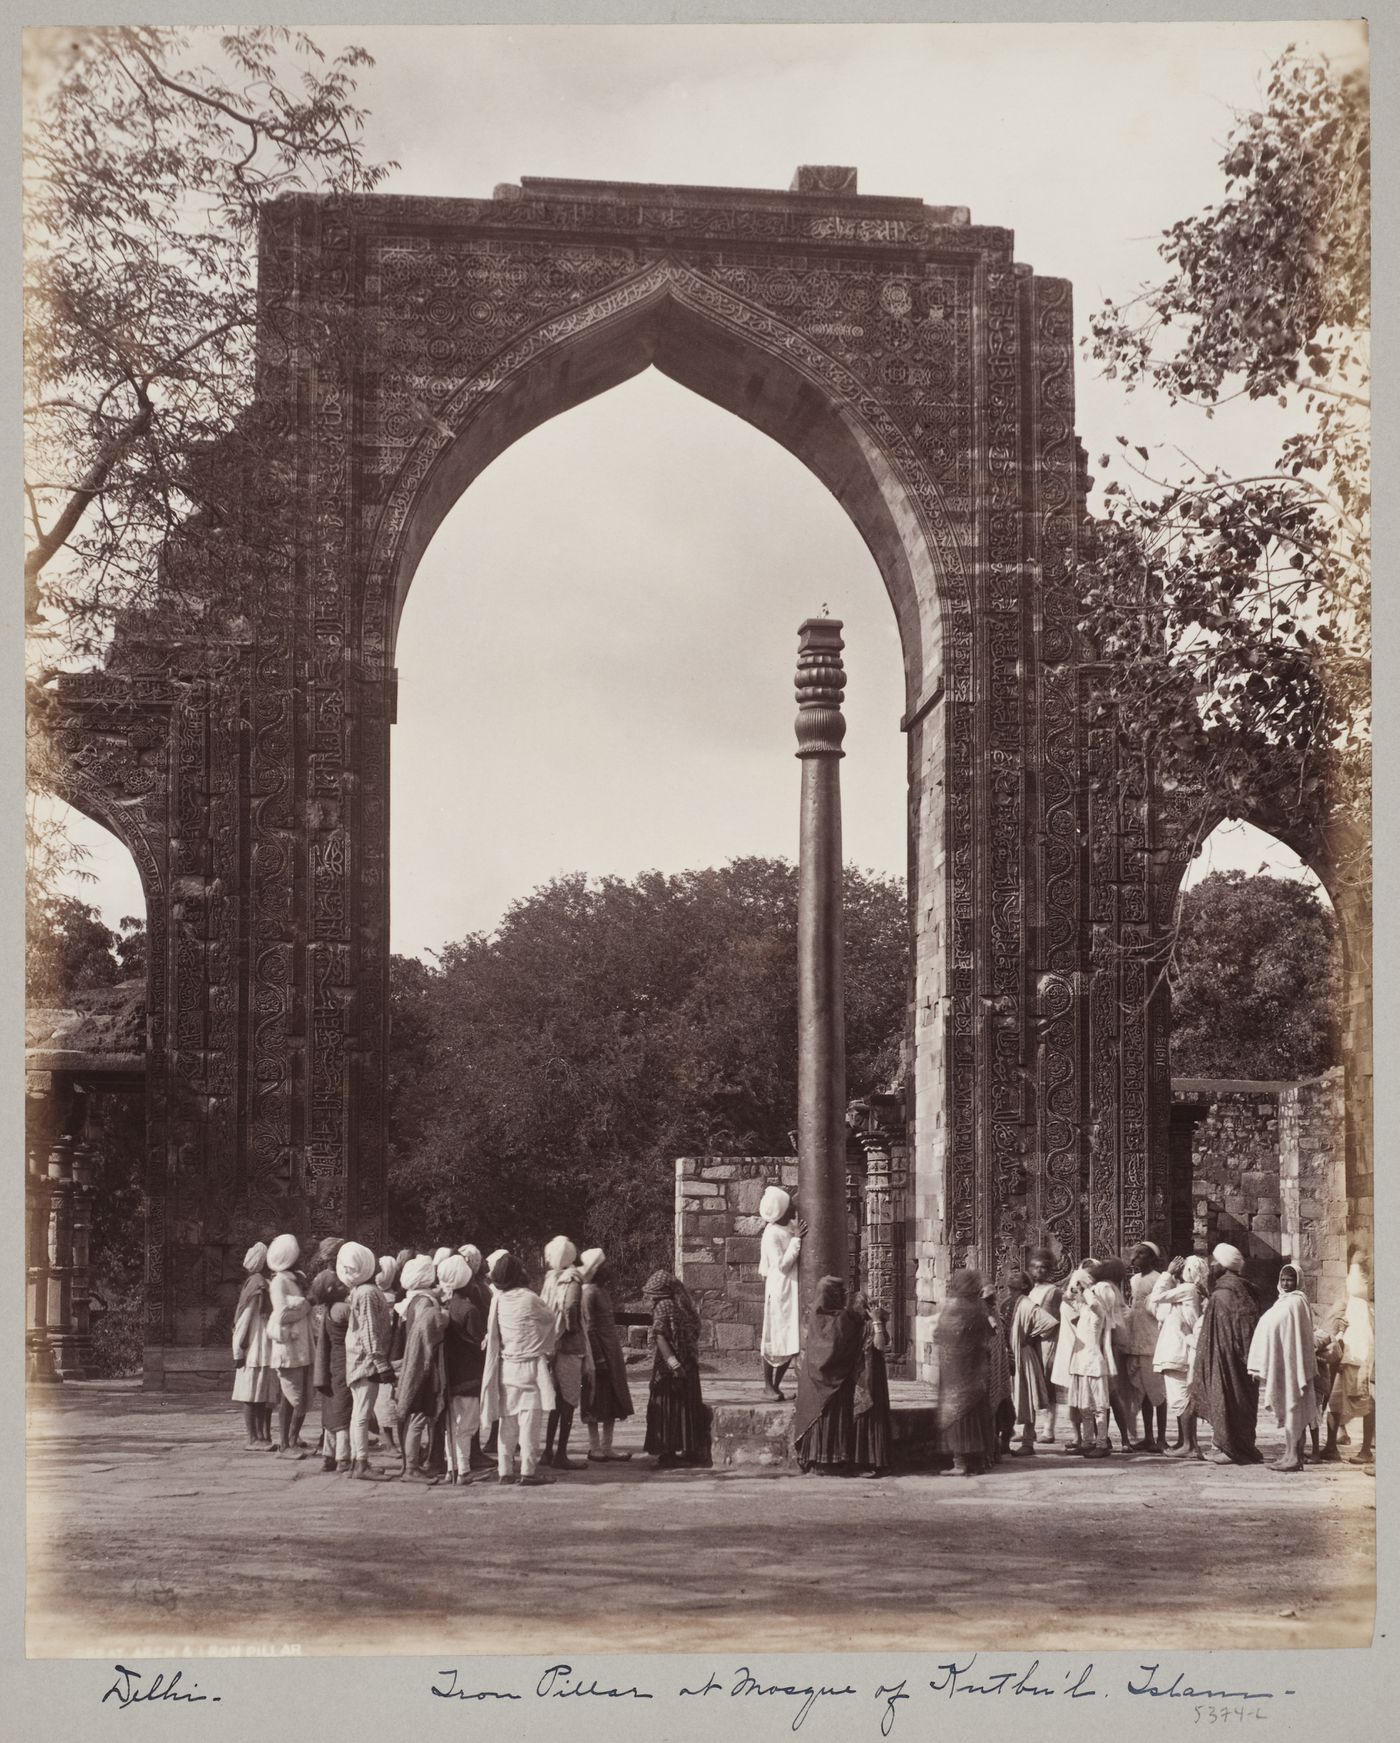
[821, 1031]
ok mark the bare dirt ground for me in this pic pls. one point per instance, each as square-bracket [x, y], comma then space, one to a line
[151, 1531]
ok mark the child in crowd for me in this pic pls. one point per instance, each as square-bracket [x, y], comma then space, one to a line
[1178, 1301]
[254, 1381]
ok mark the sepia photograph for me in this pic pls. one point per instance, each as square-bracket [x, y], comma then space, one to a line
[698, 955]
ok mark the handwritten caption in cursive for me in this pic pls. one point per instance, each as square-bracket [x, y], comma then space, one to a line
[877, 1705]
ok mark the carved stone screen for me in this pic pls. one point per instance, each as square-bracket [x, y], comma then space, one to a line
[926, 378]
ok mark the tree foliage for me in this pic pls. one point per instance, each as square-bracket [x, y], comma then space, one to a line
[546, 1077]
[1233, 613]
[69, 949]
[1256, 985]
[149, 154]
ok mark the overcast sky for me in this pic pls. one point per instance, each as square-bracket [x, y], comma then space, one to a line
[596, 655]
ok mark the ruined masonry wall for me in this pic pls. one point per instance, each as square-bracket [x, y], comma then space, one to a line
[1269, 1176]
[718, 1229]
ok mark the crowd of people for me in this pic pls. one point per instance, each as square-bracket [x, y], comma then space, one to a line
[1120, 1344]
[454, 1363]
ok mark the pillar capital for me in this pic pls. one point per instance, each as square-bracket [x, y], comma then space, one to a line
[821, 688]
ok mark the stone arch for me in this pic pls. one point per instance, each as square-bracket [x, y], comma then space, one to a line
[740, 358]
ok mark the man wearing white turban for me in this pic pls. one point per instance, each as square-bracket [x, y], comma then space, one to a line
[366, 1348]
[289, 1327]
[562, 1294]
[777, 1265]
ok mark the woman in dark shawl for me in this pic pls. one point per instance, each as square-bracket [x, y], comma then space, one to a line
[823, 1425]
[676, 1418]
[606, 1398]
[871, 1406]
[1222, 1388]
[964, 1404]
[328, 1296]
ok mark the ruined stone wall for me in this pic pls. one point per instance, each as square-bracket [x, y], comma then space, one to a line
[1269, 1175]
[1318, 1216]
[718, 1230]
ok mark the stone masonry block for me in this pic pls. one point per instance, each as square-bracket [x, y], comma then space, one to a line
[748, 1194]
[735, 1335]
[741, 1250]
[748, 1225]
[704, 1276]
[704, 1189]
[720, 1171]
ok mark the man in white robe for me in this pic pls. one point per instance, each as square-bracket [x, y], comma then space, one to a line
[1283, 1358]
[777, 1265]
[517, 1388]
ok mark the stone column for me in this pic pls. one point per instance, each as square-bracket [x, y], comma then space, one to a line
[877, 1121]
[58, 1317]
[821, 1027]
[39, 1367]
[84, 1167]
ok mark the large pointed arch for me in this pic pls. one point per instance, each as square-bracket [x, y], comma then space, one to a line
[742, 359]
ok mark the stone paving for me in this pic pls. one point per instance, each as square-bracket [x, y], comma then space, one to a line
[151, 1531]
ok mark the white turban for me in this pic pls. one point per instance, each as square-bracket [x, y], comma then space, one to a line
[354, 1264]
[418, 1273]
[1230, 1257]
[283, 1253]
[256, 1256]
[560, 1252]
[441, 1254]
[472, 1255]
[774, 1204]
[591, 1262]
[384, 1276]
[1195, 1270]
[454, 1272]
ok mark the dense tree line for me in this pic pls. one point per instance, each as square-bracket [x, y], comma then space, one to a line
[546, 1076]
